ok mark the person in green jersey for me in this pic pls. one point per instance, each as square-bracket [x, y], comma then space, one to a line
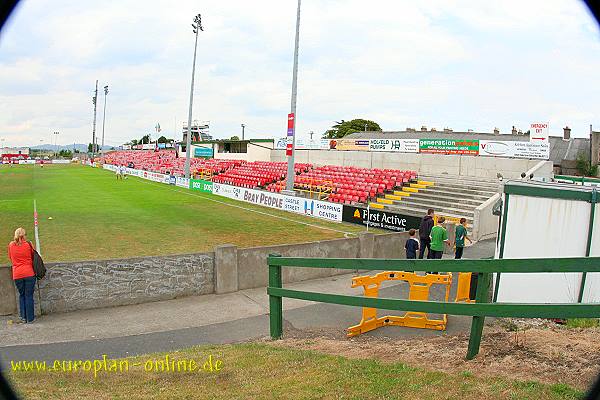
[461, 235]
[439, 236]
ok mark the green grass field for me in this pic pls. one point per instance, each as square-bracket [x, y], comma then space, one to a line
[262, 371]
[96, 217]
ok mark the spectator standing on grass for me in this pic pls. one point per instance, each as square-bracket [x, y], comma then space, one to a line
[412, 245]
[461, 235]
[439, 236]
[20, 253]
[425, 232]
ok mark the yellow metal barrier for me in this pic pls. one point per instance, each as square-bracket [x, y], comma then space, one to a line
[463, 288]
[419, 290]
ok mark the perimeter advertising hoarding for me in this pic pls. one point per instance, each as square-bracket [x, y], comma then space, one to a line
[201, 185]
[449, 146]
[517, 149]
[350, 144]
[182, 182]
[304, 144]
[299, 205]
[380, 219]
[394, 145]
[203, 152]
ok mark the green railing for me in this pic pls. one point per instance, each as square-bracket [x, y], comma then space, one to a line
[478, 310]
[577, 179]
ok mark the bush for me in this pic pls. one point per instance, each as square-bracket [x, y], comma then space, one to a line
[584, 167]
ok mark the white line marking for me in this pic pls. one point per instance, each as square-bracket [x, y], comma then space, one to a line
[35, 228]
[247, 209]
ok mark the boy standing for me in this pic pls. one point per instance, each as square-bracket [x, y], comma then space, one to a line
[461, 235]
[412, 245]
[439, 236]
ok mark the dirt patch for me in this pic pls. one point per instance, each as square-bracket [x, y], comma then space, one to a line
[543, 352]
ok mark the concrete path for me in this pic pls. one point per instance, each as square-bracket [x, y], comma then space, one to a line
[216, 319]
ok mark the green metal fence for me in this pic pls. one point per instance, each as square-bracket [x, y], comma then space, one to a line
[478, 310]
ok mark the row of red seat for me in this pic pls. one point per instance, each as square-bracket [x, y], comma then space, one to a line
[343, 184]
[167, 162]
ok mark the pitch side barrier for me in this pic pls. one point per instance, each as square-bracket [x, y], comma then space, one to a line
[478, 310]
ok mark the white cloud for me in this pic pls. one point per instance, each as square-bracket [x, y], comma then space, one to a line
[462, 64]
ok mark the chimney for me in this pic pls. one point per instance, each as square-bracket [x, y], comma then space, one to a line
[496, 131]
[566, 133]
[423, 128]
[514, 130]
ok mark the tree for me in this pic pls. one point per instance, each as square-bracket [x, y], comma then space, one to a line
[163, 139]
[584, 167]
[134, 142]
[65, 154]
[344, 128]
[145, 139]
[235, 138]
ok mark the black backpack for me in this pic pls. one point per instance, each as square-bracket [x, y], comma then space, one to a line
[38, 264]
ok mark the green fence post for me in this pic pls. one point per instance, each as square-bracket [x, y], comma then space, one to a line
[275, 303]
[481, 296]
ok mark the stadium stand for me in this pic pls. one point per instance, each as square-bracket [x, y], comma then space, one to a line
[348, 185]
[165, 161]
[258, 174]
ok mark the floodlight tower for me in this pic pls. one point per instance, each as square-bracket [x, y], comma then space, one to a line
[290, 170]
[197, 25]
[104, 118]
[94, 101]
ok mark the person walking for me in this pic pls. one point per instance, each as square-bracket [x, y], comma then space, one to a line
[424, 234]
[20, 253]
[461, 235]
[439, 236]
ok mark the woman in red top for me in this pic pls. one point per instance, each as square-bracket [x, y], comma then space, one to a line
[20, 254]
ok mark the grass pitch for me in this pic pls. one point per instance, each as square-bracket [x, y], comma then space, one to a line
[263, 371]
[93, 216]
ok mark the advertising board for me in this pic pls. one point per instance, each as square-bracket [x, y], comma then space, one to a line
[201, 185]
[517, 149]
[394, 145]
[350, 144]
[182, 182]
[380, 219]
[304, 144]
[203, 152]
[449, 146]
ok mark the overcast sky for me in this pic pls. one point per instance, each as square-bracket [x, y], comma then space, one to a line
[462, 64]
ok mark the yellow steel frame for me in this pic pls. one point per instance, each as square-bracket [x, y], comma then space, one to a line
[205, 174]
[322, 188]
[419, 290]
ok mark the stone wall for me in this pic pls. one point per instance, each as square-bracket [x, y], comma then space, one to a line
[106, 283]
[8, 304]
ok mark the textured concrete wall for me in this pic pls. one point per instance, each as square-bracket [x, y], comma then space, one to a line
[107, 283]
[428, 164]
[390, 245]
[252, 262]
[8, 304]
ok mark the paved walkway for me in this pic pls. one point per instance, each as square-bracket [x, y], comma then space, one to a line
[179, 323]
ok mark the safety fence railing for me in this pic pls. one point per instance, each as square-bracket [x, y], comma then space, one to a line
[480, 309]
